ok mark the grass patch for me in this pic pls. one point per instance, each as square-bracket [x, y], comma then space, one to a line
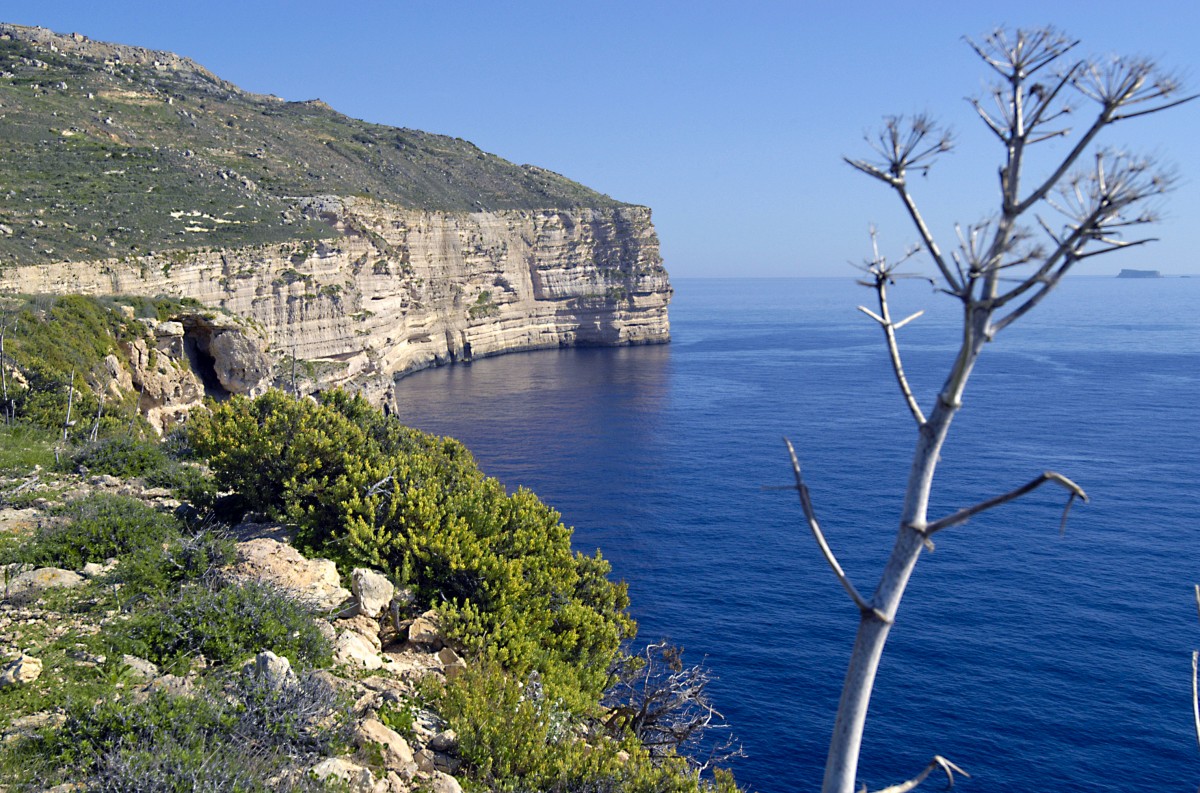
[23, 446]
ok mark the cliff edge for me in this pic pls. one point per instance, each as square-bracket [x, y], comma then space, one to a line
[358, 252]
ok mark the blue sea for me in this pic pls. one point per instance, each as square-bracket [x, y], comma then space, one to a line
[1034, 660]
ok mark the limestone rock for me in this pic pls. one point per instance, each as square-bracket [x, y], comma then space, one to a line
[552, 277]
[365, 627]
[20, 671]
[91, 570]
[444, 783]
[15, 520]
[33, 581]
[313, 580]
[167, 388]
[452, 664]
[142, 668]
[426, 630]
[444, 741]
[397, 754]
[352, 649]
[392, 783]
[339, 768]
[272, 669]
[240, 364]
[27, 726]
[373, 590]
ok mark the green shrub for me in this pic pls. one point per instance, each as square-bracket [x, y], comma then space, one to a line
[155, 568]
[232, 738]
[121, 456]
[95, 528]
[511, 738]
[368, 491]
[224, 623]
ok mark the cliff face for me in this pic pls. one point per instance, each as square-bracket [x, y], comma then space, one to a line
[401, 289]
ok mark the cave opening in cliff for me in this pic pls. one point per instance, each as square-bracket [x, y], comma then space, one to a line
[196, 342]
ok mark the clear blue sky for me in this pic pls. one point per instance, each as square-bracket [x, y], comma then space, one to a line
[729, 119]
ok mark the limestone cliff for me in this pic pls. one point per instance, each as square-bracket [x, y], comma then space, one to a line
[130, 171]
[392, 290]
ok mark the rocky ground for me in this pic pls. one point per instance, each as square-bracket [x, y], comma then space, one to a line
[381, 654]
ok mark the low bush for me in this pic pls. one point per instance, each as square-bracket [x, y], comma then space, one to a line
[513, 738]
[224, 622]
[154, 569]
[95, 528]
[121, 456]
[236, 737]
[368, 491]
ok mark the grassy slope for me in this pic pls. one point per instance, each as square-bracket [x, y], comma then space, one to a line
[96, 156]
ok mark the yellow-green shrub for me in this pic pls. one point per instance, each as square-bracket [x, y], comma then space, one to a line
[368, 491]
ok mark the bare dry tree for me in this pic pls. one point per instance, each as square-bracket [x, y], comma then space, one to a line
[666, 705]
[1000, 269]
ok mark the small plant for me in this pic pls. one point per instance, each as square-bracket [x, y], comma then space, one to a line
[95, 528]
[225, 623]
[483, 306]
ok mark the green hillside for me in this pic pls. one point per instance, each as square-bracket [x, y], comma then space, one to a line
[109, 151]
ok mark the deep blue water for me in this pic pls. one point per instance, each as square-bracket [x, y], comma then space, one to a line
[1034, 660]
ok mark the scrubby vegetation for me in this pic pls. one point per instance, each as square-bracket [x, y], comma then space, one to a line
[165, 601]
[117, 159]
[542, 627]
[368, 491]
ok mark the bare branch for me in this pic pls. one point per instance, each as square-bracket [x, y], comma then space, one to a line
[810, 516]
[871, 170]
[908, 319]
[1195, 681]
[937, 762]
[1196, 691]
[966, 513]
[927, 238]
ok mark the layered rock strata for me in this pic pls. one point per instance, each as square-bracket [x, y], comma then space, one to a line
[393, 290]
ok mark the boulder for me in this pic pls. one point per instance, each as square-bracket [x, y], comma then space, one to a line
[365, 627]
[20, 671]
[144, 669]
[272, 669]
[32, 581]
[353, 775]
[239, 361]
[352, 649]
[452, 664]
[426, 630]
[444, 783]
[373, 591]
[315, 581]
[397, 754]
[444, 741]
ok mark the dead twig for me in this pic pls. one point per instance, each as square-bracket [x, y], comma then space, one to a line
[810, 516]
[937, 762]
[966, 513]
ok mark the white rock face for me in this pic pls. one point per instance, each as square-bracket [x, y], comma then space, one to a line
[42, 578]
[373, 590]
[353, 650]
[274, 562]
[397, 754]
[405, 289]
[21, 671]
[354, 775]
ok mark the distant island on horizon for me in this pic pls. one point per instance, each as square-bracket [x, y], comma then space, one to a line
[1127, 273]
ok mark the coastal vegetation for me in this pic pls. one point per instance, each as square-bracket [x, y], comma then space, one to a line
[109, 151]
[543, 702]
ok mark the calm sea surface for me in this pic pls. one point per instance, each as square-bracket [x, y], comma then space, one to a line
[1036, 661]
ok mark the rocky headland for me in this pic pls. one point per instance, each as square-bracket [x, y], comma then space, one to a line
[350, 253]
